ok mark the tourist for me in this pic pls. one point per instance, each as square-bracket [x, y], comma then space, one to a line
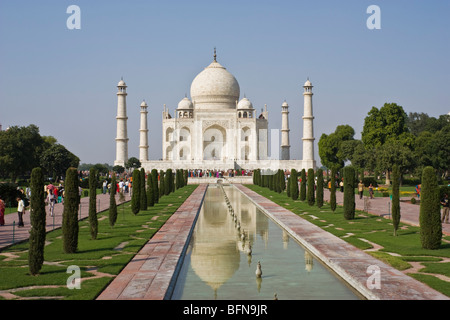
[20, 211]
[341, 184]
[371, 191]
[2, 212]
[361, 189]
[105, 186]
[51, 201]
[445, 211]
[418, 187]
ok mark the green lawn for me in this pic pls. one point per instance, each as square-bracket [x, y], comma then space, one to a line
[397, 251]
[128, 236]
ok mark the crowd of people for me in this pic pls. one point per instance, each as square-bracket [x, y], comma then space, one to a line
[199, 173]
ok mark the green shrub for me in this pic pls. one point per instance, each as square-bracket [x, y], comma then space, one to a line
[136, 194]
[303, 185]
[311, 198]
[349, 193]
[37, 219]
[430, 211]
[112, 202]
[93, 222]
[70, 213]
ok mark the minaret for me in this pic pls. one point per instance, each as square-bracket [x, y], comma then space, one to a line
[285, 147]
[143, 146]
[122, 137]
[308, 131]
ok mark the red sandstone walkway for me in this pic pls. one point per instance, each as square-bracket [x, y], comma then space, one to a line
[149, 274]
[10, 233]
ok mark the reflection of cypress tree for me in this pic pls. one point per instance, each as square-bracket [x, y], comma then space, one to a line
[112, 202]
[136, 195]
[333, 190]
[311, 183]
[395, 198]
[37, 219]
[430, 211]
[303, 185]
[319, 190]
[93, 222]
[143, 192]
[155, 186]
[150, 196]
[349, 193]
[70, 213]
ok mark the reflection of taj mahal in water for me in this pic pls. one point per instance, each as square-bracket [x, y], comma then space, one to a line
[216, 130]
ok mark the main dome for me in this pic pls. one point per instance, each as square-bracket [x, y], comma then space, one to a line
[215, 88]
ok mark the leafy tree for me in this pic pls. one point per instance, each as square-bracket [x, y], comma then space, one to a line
[311, 184]
[394, 152]
[70, 213]
[430, 211]
[118, 169]
[303, 185]
[294, 184]
[143, 192]
[20, 148]
[155, 186]
[395, 198]
[57, 159]
[112, 202]
[330, 146]
[133, 163]
[93, 222]
[333, 189]
[349, 193]
[37, 217]
[319, 191]
[136, 195]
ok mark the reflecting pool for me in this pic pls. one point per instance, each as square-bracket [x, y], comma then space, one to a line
[229, 239]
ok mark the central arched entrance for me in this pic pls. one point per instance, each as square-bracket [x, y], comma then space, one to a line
[214, 142]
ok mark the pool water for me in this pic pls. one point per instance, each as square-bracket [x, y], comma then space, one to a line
[218, 265]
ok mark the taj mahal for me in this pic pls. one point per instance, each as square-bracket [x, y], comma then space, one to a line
[216, 129]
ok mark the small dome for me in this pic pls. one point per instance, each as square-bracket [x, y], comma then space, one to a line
[245, 104]
[185, 104]
[285, 104]
[121, 83]
[144, 104]
[308, 83]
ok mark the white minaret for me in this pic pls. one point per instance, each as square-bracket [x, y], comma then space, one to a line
[308, 130]
[122, 136]
[143, 146]
[285, 147]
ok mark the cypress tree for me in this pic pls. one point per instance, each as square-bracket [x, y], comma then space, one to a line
[395, 198]
[168, 181]
[319, 190]
[311, 184]
[281, 180]
[93, 222]
[288, 187]
[303, 185]
[150, 196]
[155, 186]
[136, 196]
[112, 202]
[349, 193]
[37, 219]
[333, 190]
[430, 211]
[70, 213]
[294, 184]
[162, 187]
[143, 193]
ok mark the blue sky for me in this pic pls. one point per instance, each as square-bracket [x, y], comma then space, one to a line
[64, 81]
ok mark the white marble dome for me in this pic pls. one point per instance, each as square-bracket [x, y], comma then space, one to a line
[245, 104]
[215, 88]
[121, 83]
[185, 104]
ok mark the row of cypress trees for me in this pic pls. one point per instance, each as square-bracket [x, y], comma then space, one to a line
[430, 216]
[143, 197]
